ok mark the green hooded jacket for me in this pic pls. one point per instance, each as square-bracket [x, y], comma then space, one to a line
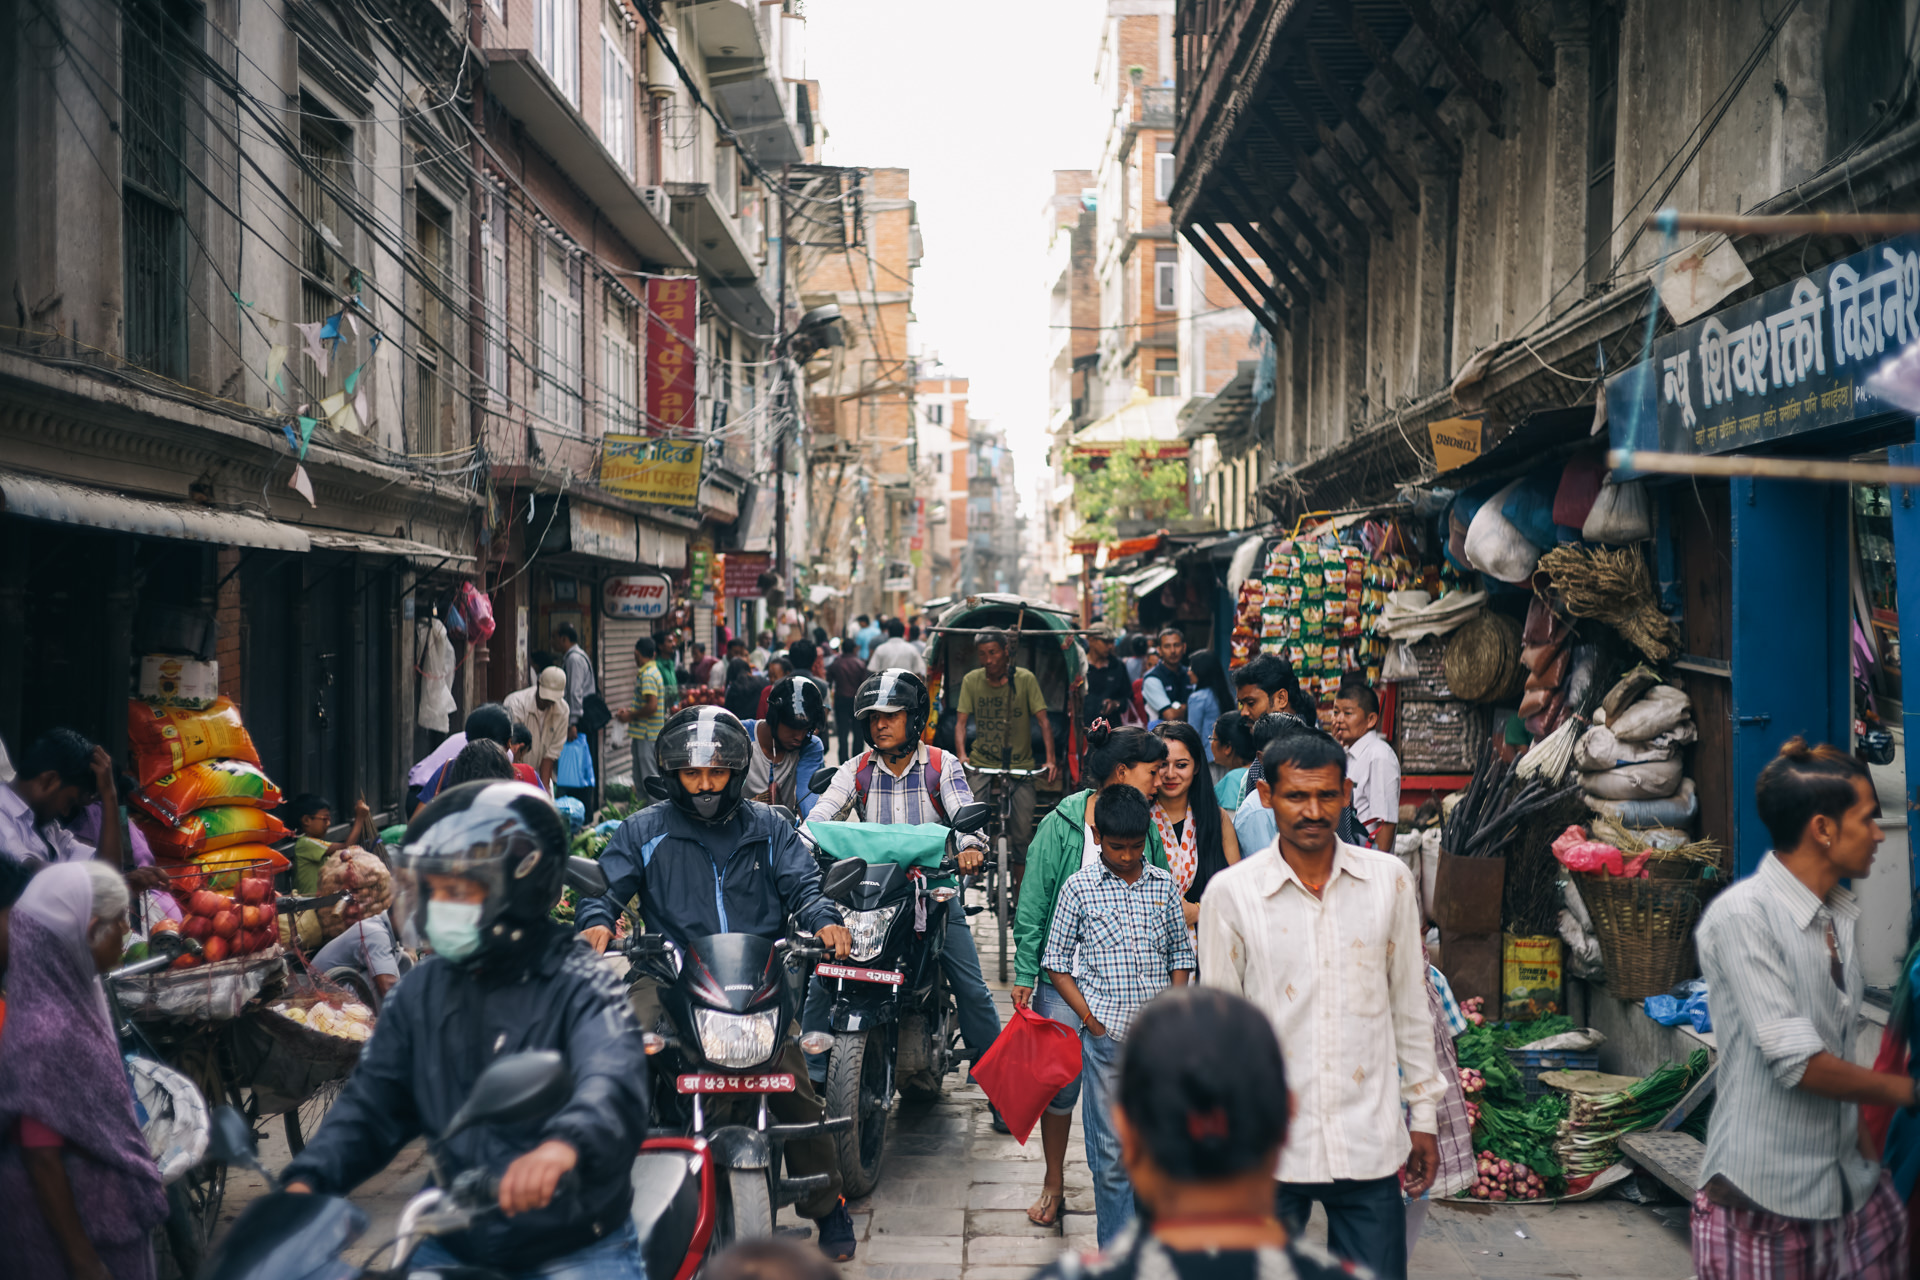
[1051, 858]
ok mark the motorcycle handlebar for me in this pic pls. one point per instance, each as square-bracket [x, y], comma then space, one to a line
[479, 1190]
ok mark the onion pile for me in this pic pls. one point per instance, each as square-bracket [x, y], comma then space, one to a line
[1506, 1180]
[1472, 1009]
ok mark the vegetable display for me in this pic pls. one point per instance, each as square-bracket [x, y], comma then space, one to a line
[351, 1021]
[1590, 1139]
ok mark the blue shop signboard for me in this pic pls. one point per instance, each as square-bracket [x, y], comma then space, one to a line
[1794, 359]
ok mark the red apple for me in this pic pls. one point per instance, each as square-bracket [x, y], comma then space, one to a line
[253, 917]
[200, 927]
[273, 928]
[185, 962]
[255, 891]
[208, 903]
[248, 942]
[217, 949]
[226, 923]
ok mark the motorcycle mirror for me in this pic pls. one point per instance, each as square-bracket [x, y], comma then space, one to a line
[515, 1089]
[842, 876]
[785, 814]
[657, 788]
[230, 1140]
[584, 876]
[821, 780]
[969, 818]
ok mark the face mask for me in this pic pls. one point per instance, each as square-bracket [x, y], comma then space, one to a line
[707, 804]
[453, 928]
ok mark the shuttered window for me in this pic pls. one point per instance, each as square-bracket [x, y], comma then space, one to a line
[154, 186]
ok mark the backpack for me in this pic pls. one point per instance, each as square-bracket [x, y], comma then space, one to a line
[936, 766]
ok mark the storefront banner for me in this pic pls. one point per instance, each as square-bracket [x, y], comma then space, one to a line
[638, 596]
[1794, 359]
[743, 574]
[666, 472]
[1456, 441]
[602, 532]
[673, 308]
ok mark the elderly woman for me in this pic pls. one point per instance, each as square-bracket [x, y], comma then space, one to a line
[81, 1190]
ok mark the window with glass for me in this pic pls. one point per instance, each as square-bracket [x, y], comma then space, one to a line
[431, 285]
[1166, 375]
[561, 401]
[493, 257]
[153, 177]
[556, 44]
[616, 97]
[1166, 264]
[326, 233]
[619, 367]
[1163, 170]
[1603, 115]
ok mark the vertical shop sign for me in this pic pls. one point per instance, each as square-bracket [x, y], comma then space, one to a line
[673, 307]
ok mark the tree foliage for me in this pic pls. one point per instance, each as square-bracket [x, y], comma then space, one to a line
[1131, 482]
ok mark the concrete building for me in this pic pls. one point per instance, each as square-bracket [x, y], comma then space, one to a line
[940, 402]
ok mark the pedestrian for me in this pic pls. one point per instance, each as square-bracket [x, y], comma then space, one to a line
[70, 1145]
[312, 818]
[1207, 698]
[699, 663]
[488, 723]
[1453, 1131]
[1785, 1190]
[542, 707]
[778, 669]
[805, 659]
[866, 635]
[897, 651]
[1198, 838]
[1325, 937]
[488, 715]
[1232, 751]
[579, 668]
[1007, 701]
[519, 742]
[58, 775]
[1136, 660]
[644, 716]
[1064, 844]
[1372, 766]
[762, 651]
[1202, 1119]
[743, 689]
[845, 674]
[1118, 939]
[367, 947]
[668, 660]
[1109, 687]
[717, 674]
[1166, 685]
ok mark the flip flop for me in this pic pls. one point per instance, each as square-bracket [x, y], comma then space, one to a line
[1048, 1200]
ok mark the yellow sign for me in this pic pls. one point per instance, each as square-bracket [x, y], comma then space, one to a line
[1456, 441]
[651, 469]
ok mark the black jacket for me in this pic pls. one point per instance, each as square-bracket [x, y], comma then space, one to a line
[438, 1029]
[1108, 684]
[745, 875]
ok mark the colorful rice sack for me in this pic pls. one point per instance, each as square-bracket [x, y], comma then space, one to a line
[211, 829]
[222, 869]
[206, 785]
[167, 739]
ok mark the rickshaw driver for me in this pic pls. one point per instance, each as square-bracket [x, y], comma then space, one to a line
[1006, 698]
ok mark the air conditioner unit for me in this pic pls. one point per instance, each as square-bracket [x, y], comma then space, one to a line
[657, 202]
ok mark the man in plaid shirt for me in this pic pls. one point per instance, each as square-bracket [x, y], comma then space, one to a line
[1119, 939]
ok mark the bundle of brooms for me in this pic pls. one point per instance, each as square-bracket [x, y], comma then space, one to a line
[1611, 585]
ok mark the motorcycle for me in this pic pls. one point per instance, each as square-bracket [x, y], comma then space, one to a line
[729, 1000]
[894, 1021]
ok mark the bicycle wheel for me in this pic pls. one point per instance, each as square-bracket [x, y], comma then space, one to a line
[1001, 852]
[303, 1120]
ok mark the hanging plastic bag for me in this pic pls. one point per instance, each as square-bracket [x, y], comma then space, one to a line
[436, 680]
[1400, 663]
[1496, 547]
[576, 765]
[1031, 1059]
[479, 611]
[1621, 513]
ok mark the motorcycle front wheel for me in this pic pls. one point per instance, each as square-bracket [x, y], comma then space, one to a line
[747, 1210]
[856, 1086]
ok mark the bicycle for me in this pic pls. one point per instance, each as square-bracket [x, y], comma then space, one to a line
[1000, 866]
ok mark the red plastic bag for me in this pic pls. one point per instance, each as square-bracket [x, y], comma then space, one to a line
[1031, 1059]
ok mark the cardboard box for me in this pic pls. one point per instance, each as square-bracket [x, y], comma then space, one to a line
[178, 680]
[1467, 894]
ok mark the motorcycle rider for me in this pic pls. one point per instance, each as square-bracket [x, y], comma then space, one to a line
[787, 748]
[481, 867]
[711, 862]
[902, 779]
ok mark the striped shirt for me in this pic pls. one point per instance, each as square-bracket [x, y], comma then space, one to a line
[647, 681]
[1764, 949]
[898, 800]
[1120, 942]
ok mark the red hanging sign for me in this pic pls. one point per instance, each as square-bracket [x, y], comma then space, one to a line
[673, 308]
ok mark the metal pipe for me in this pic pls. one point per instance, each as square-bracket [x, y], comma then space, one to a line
[1788, 224]
[1745, 465]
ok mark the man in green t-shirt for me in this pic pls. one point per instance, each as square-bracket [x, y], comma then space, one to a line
[1005, 698]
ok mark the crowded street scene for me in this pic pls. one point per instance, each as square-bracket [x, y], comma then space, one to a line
[638, 642]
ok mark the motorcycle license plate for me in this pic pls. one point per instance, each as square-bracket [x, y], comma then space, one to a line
[887, 976]
[777, 1082]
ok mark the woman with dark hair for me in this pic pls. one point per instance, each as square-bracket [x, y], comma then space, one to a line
[1063, 844]
[743, 689]
[1198, 838]
[1208, 699]
[478, 761]
[1233, 751]
[1203, 1112]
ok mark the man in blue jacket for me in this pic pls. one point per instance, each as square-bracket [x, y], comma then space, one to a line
[711, 861]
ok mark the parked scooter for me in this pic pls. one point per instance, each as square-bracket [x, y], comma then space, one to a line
[894, 1023]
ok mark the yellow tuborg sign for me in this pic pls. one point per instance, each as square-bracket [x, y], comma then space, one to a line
[651, 469]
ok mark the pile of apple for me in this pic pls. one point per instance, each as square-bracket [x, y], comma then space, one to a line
[1506, 1180]
[229, 924]
[700, 695]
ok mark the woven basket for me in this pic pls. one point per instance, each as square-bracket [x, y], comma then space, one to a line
[1483, 659]
[1646, 931]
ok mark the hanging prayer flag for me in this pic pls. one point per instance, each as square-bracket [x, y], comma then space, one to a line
[301, 485]
[315, 350]
[276, 364]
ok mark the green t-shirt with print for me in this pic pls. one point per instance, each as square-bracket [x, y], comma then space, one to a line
[1004, 715]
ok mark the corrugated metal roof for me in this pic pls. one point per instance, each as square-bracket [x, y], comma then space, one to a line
[37, 498]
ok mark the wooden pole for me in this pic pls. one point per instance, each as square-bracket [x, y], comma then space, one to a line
[1789, 224]
[1733, 465]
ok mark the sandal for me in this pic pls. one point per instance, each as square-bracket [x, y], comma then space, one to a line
[1053, 1200]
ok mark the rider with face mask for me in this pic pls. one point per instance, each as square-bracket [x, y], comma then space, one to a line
[711, 861]
[480, 869]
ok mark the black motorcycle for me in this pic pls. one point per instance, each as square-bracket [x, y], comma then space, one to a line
[730, 1000]
[895, 1027]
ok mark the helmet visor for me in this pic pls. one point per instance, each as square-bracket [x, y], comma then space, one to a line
[483, 847]
[712, 740]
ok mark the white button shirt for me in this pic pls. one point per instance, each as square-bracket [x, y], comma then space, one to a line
[1343, 980]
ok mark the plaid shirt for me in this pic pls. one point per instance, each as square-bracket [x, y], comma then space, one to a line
[1120, 942]
[1450, 1016]
[898, 800]
[1452, 1130]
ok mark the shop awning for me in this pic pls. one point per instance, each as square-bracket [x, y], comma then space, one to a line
[374, 544]
[35, 498]
[1150, 579]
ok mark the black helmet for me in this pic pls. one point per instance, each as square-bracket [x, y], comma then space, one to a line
[705, 737]
[504, 835]
[895, 689]
[797, 701]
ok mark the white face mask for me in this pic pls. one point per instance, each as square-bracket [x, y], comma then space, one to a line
[453, 928]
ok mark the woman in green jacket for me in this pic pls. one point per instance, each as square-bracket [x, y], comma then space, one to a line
[1062, 845]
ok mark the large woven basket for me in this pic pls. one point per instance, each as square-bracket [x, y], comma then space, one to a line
[1646, 930]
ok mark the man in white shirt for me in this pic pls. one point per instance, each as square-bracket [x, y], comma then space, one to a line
[1372, 767]
[1325, 938]
[543, 709]
[897, 651]
[58, 775]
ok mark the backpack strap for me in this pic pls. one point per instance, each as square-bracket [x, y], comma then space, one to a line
[862, 779]
[936, 767]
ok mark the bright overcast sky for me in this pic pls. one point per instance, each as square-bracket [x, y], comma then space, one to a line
[982, 102]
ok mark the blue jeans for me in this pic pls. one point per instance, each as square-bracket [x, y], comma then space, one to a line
[1366, 1219]
[1099, 1081]
[615, 1258]
[1048, 1004]
[972, 1003]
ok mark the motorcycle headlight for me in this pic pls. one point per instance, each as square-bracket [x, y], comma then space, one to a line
[869, 930]
[737, 1040]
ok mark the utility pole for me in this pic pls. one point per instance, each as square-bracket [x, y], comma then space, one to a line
[782, 568]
